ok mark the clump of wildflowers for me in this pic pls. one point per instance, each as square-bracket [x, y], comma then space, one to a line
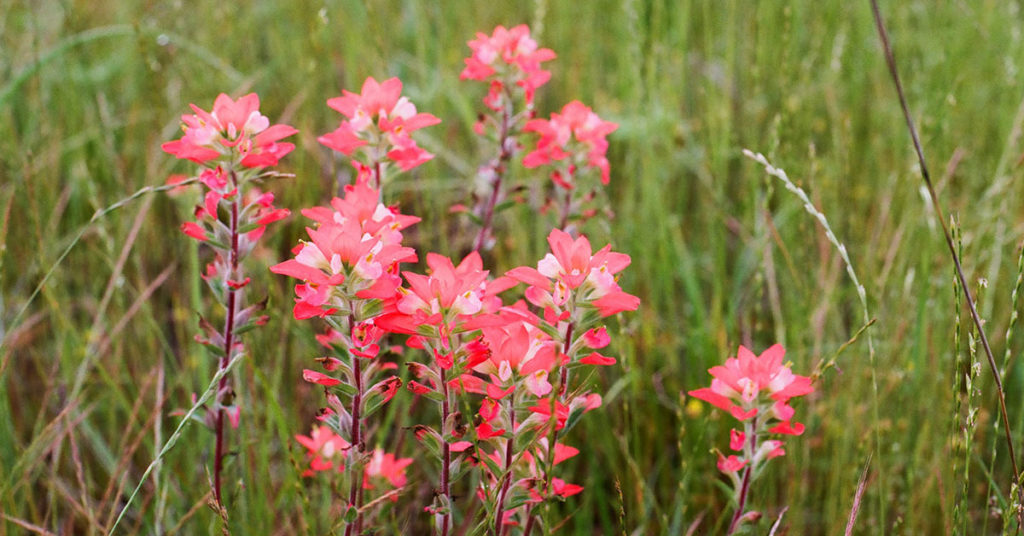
[442, 310]
[570, 142]
[756, 390]
[349, 276]
[377, 130]
[528, 403]
[234, 143]
[347, 269]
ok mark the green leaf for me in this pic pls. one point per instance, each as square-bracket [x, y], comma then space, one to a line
[350, 514]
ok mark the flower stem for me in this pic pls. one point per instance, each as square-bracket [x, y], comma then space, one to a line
[749, 449]
[499, 167]
[446, 456]
[531, 520]
[229, 342]
[378, 172]
[355, 458]
[506, 479]
[563, 384]
[566, 208]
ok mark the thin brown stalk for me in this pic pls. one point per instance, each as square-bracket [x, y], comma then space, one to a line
[531, 520]
[891, 61]
[35, 529]
[83, 498]
[188, 515]
[692, 529]
[861, 486]
[778, 521]
[389, 495]
[128, 450]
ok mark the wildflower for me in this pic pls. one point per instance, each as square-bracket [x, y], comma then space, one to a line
[518, 351]
[571, 266]
[507, 56]
[738, 385]
[756, 391]
[386, 466]
[235, 129]
[326, 449]
[352, 254]
[576, 134]
[231, 143]
[381, 120]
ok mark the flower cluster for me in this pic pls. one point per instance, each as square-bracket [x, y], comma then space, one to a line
[348, 274]
[326, 451]
[509, 61]
[234, 131]
[349, 264]
[506, 360]
[525, 410]
[379, 123]
[233, 143]
[756, 390]
[572, 140]
[347, 270]
[505, 58]
[576, 137]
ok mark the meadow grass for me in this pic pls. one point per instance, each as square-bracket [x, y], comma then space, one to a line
[722, 256]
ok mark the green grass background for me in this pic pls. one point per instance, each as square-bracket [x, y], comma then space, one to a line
[89, 90]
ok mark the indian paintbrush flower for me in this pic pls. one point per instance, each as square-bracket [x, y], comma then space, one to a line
[755, 390]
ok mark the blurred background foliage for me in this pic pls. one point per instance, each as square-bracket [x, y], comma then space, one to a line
[722, 255]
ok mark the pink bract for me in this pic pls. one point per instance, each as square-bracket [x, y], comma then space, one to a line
[325, 449]
[235, 128]
[379, 115]
[387, 466]
[572, 265]
[510, 54]
[577, 130]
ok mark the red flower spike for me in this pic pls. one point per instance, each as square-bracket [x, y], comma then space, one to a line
[234, 128]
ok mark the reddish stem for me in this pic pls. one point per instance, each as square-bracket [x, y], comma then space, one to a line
[229, 336]
[750, 449]
[446, 457]
[563, 384]
[354, 494]
[567, 207]
[500, 167]
[378, 168]
[531, 520]
[506, 481]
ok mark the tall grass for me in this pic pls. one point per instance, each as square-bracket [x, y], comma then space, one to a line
[89, 90]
